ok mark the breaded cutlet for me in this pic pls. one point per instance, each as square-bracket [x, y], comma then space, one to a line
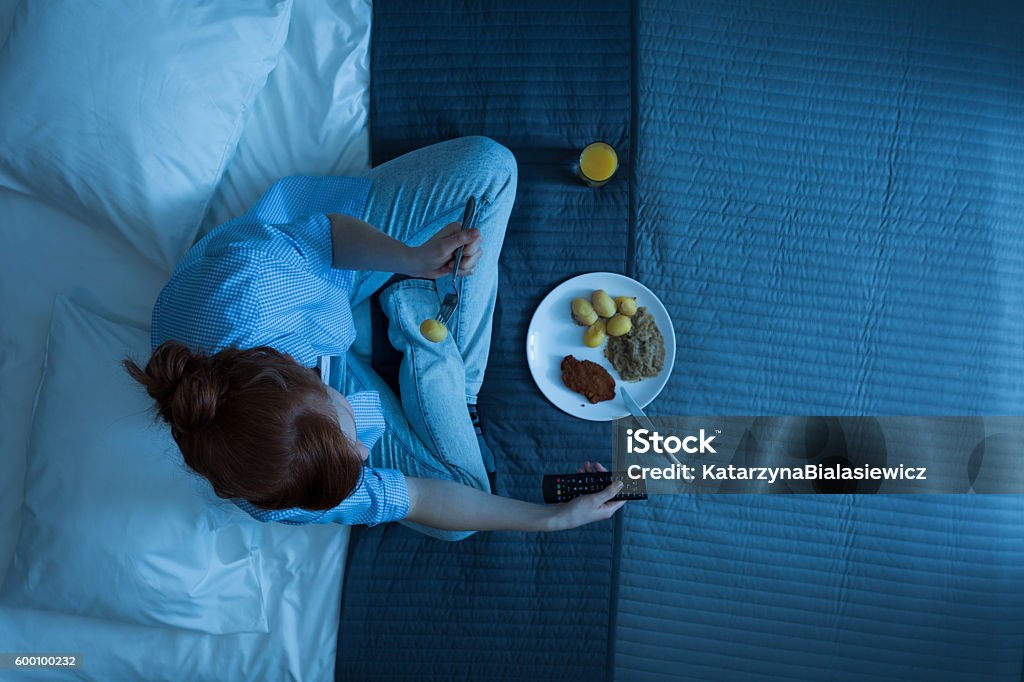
[588, 378]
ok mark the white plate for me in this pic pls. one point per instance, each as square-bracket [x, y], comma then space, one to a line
[553, 334]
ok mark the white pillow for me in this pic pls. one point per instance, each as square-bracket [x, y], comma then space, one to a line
[114, 526]
[126, 112]
[312, 116]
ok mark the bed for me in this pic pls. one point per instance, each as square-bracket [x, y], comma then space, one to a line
[78, 284]
[801, 183]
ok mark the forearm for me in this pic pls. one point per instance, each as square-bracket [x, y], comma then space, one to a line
[358, 245]
[452, 506]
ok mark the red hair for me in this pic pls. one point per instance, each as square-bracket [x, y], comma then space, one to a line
[255, 423]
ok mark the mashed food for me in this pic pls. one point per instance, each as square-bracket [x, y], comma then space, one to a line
[640, 353]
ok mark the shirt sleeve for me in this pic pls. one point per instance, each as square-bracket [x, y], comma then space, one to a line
[381, 496]
[369, 416]
[298, 206]
[311, 236]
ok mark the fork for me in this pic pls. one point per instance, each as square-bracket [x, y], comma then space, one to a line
[451, 299]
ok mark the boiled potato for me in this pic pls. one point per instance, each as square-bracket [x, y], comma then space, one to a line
[603, 303]
[619, 325]
[583, 312]
[433, 330]
[595, 334]
[626, 305]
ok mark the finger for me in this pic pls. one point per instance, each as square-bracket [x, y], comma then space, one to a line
[470, 260]
[440, 270]
[467, 267]
[586, 465]
[580, 470]
[612, 507]
[460, 238]
[476, 242]
[608, 493]
[436, 242]
[600, 467]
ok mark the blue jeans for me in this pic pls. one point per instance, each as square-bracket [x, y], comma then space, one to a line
[429, 432]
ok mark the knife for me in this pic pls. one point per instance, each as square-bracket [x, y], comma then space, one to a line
[634, 409]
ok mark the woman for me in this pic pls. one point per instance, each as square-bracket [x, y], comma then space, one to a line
[240, 327]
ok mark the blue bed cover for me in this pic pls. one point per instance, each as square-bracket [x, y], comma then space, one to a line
[829, 199]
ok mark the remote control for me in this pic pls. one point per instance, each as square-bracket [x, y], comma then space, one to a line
[564, 487]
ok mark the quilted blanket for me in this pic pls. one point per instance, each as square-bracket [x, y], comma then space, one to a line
[829, 199]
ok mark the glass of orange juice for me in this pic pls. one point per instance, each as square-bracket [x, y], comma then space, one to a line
[598, 163]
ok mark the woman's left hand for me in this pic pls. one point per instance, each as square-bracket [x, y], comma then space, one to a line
[436, 257]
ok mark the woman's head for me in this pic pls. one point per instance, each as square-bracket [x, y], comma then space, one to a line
[256, 424]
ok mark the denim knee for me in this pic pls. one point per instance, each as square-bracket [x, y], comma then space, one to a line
[498, 155]
[494, 160]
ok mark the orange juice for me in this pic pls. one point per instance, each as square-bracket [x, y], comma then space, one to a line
[598, 164]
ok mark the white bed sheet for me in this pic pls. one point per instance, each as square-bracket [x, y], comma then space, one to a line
[319, 90]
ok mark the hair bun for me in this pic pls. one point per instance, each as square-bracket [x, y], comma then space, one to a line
[184, 384]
